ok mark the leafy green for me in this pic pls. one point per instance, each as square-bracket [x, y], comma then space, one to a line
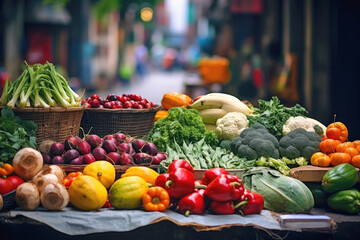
[15, 134]
[273, 115]
[180, 125]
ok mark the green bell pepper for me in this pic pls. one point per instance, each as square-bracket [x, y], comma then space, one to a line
[346, 201]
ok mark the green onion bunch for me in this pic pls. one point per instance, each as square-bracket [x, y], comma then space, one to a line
[39, 86]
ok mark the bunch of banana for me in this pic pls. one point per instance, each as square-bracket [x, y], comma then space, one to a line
[213, 106]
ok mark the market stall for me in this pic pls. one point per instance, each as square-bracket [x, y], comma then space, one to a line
[209, 165]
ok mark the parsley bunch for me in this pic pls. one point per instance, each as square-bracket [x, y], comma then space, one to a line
[15, 134]
[181, 125]
[274, 115]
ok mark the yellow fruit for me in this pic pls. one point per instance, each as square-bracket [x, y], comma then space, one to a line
[148, 174]
[87, 193]
[102, 171]
[127, 192]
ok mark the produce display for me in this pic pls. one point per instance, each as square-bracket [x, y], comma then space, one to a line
[214, 133]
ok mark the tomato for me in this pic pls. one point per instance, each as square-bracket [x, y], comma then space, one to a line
[15, 180]
[6, 186]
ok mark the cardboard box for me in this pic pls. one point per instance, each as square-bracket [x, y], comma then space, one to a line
[311, 173]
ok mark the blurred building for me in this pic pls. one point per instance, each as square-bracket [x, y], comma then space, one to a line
[304, 51]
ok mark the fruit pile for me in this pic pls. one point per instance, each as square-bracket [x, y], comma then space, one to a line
[117, 148]
[113, 101]
[336, 148]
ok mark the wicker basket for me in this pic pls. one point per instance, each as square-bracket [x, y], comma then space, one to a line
[55, 123]
[133, 122]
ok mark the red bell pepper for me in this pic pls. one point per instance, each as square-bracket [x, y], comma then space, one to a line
[161, 180]
[192, 203]
[250, 203]
[180, 163]
[180, 183]
[222, 208]
[199, 183]
[6, 186]
[225, 188]
[212, 173]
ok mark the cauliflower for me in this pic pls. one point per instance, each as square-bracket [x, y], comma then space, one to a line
[302, 122]
[231, 125]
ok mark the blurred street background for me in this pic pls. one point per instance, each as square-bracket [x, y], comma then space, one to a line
[303, 51]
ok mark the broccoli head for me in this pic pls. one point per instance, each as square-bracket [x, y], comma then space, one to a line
[255, 142]
[299, 143]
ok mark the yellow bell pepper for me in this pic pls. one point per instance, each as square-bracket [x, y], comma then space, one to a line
[148, 174]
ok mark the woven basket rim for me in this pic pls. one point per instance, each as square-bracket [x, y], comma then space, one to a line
[48, 109]
[125, 110]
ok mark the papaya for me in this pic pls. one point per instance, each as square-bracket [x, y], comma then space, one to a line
[127, 192]
[87, 193]
[341, 177]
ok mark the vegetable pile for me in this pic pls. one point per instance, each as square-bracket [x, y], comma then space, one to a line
[224, 192]
[116, 148]
[180, 125]
[15, 134]
[337, 190]
[203, 156]
[255, 142]
[39, 86]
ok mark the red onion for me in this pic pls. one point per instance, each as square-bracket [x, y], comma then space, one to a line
[109, 145]
[141, 158]
[120, 137]
[70, 155]
[150, 148]
[124, 147]
[89, 158]
[71, 143]
[84, 147]
[99, 153]
[138, 144]
[57, 148]
[126, 159]
[162, 155]
[115, 157]
[107, 137]
[156, 160]
[78, 161]
[57, 160]
[94, 140]
[46, 158]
